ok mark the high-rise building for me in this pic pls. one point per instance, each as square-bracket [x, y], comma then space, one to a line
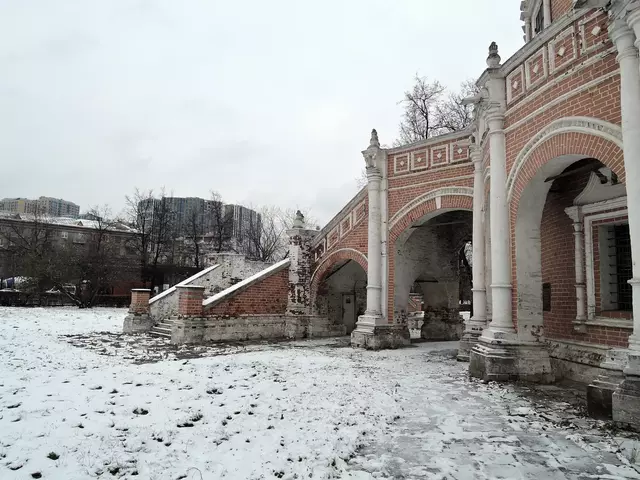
[212, 219]
[54, 207]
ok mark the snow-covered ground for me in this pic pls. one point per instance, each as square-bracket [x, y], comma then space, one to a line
[79, 400]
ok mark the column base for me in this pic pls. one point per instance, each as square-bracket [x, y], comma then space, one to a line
[468, 340]
[442, 324]
[374, 336]
[500, 361]
[137, 323]
[600, 391]
[626, 397]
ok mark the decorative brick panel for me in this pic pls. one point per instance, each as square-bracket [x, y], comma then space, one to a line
[563, 50]
[593, 31]
[515, 84]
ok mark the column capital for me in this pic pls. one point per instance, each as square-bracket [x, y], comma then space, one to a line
[623, 38]
[633, 15]
[573, 213]
[373, 174]
[495, 118]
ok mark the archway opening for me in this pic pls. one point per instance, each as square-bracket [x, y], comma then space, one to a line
[342, 294]
[550, 214]
[430, 265]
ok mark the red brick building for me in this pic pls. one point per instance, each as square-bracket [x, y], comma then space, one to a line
[541, 182]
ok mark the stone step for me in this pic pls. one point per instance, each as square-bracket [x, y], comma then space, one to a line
[163, 325]
[158, 331]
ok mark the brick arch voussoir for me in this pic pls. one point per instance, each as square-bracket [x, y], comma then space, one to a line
[568, 143]
[459, 202]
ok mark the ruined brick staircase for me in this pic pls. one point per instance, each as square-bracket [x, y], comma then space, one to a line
[161, 329]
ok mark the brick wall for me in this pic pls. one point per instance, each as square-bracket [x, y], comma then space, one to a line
[190, 300]
[267, 296]
[139, 301]
[560, 7]
[558, 269]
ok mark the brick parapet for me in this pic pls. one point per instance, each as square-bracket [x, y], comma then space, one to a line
[140, 301]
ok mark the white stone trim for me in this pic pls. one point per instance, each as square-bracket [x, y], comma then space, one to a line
[517, 72]
[401, 163]
[440, 192]
[589, 126]
[238, 287]
[422, 184]
[545, 68]
[438, 169]
[187, 281]
[591, 216]
[553, 52]
[454, 147]
[462, 134]
[566, 96]
[326, 259]
[425, 160]
[626, 323]
[442, 150]
[583, 33]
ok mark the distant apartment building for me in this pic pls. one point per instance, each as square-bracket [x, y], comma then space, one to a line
[211, 219]
[53, 207]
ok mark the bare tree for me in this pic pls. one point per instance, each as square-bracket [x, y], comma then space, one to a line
[194, 232]
[221, 219]
[139, 215]
[30, 249]
[154, 220]
[268, 237]
[420, 110]
[93, 263]
[429, 111]
[452, 114]
[90, 263]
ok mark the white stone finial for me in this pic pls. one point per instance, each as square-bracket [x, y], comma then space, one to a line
[493, 60]
[299, 221]
[374, 142]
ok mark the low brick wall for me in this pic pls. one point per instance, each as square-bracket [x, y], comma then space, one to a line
[251, 327]
[264, 293]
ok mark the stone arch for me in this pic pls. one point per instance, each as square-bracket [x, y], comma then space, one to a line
[584, 136]
[323, 295]
[449, 198]
[548, 153]
[329, 261]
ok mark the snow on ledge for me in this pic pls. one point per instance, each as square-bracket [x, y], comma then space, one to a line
[184, 282]
[247, 282]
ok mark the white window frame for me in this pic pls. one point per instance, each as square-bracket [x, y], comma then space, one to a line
[593, 213]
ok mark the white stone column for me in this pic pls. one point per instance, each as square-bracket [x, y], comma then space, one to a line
[527, 30]
[624, 39]
[372, 330]
[479, 319]
[374, 245]
[502, 320]
[475, 325]
[581, 288]
[546, 12]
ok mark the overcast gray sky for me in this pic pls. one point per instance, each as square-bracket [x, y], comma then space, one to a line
[265, 101]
